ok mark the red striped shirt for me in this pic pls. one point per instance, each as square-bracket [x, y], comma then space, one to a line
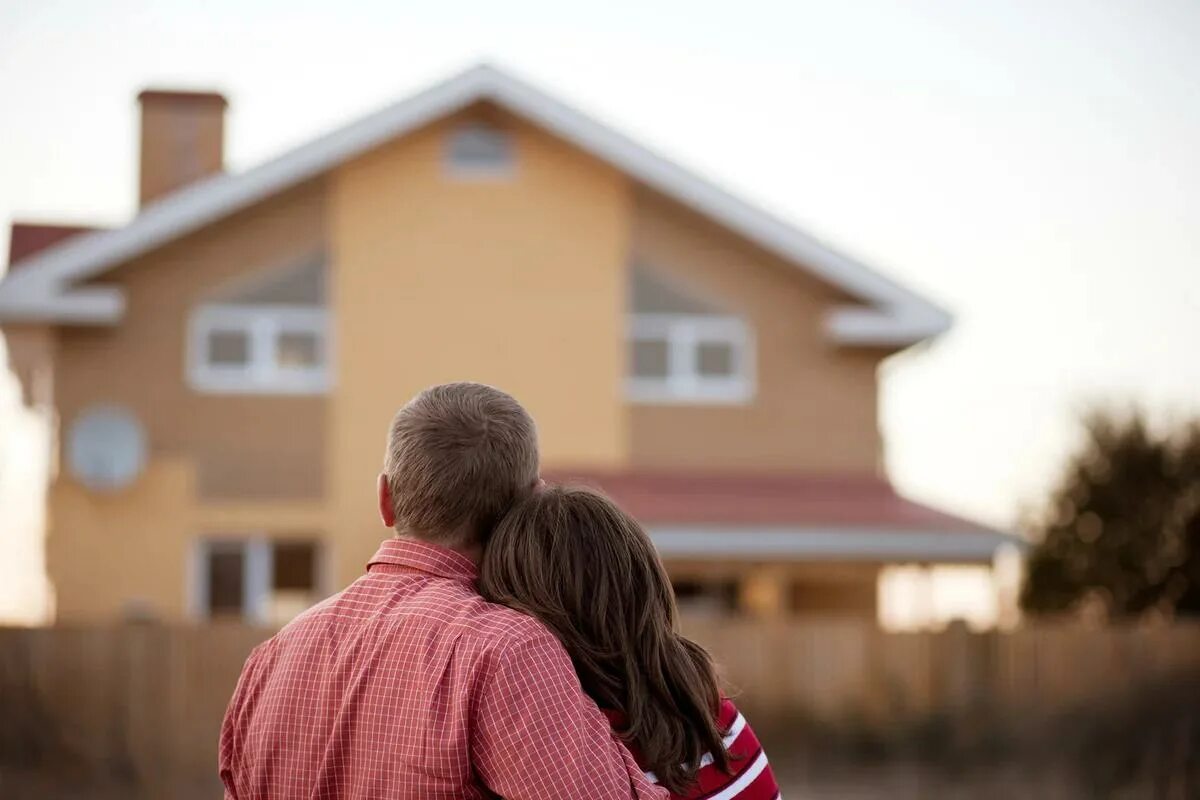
[750, 776]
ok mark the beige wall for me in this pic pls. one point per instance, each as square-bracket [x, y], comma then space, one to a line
[835, 589]
[518, 282]
[110, 554]
[219, 464]
[107, 553]
[815, 406]
[258, 446]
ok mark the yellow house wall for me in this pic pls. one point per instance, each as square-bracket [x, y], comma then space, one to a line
[814, 408]
[109, 552]
[113, 553]
[516, 281]
[244, 446]
[218, 465]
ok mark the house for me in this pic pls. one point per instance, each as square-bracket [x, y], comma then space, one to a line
[223, 368]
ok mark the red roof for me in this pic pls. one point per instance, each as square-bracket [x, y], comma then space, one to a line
[28, 238]
[766, 499]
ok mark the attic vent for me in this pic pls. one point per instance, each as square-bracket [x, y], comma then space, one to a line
[479, 151]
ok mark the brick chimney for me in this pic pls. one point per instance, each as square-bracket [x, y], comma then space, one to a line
[183, 139]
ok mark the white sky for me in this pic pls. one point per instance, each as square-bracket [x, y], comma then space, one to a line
[1032, 165]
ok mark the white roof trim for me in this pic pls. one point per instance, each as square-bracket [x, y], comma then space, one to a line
[41, 288]
[828, 544]
[27, 302]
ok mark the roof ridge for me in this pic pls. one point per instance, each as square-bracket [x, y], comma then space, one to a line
[44, 287]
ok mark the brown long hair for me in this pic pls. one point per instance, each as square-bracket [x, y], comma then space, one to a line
[573, 559]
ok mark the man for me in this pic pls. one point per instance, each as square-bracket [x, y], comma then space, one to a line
[408, 684]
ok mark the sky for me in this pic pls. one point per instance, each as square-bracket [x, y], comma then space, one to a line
[1030, 165]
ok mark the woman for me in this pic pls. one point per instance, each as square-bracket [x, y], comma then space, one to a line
[576, 561]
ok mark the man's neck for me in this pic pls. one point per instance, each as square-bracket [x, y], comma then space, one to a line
[474, 552]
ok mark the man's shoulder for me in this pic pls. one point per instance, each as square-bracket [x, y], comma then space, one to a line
[483, 633]
[300, 628]
[454, 607]
[501, 629]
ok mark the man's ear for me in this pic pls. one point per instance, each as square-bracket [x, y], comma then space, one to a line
[387, 511]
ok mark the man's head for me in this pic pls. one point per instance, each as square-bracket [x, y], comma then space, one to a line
[458, 456]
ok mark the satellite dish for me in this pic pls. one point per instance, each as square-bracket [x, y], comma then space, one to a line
[106, 448]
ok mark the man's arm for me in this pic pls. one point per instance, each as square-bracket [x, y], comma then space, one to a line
[229, 755]
[537, 736]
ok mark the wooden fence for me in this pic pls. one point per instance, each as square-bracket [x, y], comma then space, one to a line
[834, 670]
[146, 701]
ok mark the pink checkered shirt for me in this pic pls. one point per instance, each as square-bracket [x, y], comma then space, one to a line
[409, 685]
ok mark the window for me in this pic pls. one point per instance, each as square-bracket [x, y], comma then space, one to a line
[259, 349]
[225, 581]
[479, 151]
[684, 347]
[229, 348]
[702, 358]
[256, 580]
[699, 597]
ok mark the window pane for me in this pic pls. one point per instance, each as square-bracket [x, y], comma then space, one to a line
[715, 360]
[295, 566]
[293, 580]
[229, 348]
[299, 349]
[649, 357]
[700, 596]
[225, 568]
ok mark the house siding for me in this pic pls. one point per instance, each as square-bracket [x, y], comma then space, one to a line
[516, 281]
[129, 551]
[814, 407]
[242, 446]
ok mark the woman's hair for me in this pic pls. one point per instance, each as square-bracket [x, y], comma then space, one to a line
[573, 559]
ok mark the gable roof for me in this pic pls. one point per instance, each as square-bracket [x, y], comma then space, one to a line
[43, 288]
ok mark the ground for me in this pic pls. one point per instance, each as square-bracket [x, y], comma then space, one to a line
[897, 782]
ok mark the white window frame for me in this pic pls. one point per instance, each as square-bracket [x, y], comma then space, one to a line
[257, 574]
[684, 333]
[479, 172]
[263, 326]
